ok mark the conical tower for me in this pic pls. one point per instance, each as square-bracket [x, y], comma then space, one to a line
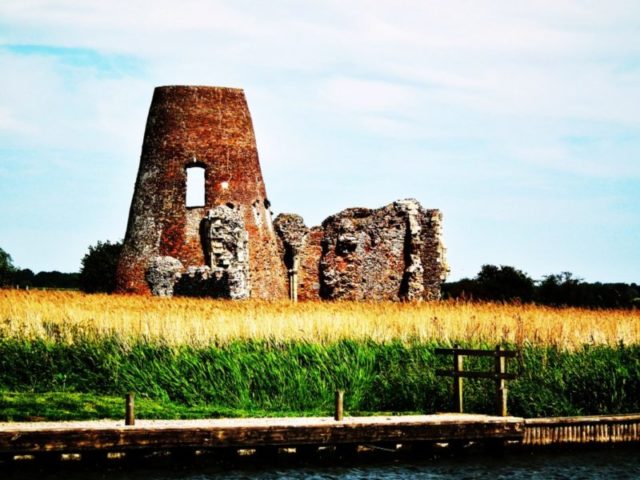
[206, 134]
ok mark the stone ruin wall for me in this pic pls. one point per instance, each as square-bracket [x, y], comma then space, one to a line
[303, 246]
[391, 253]
[229, 247]
[310, 265]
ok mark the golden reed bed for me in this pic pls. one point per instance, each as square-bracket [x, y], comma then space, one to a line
[67, 315]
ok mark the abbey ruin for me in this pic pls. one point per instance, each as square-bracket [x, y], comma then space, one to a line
[223, 243]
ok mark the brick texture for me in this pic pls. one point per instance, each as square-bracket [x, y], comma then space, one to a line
[208, 127]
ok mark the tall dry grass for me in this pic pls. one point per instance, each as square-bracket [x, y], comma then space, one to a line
[67, 316]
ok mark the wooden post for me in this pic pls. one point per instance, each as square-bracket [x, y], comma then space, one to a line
[458, 366]
[339, 410]
[501, 388]
[129, 417]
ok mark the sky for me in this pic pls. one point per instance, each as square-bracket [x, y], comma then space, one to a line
[519, 120]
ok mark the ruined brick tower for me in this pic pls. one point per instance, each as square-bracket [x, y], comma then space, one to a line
[223, 239]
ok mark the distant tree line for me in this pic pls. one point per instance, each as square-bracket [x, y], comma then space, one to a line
[493, 283]
[12, 276]
[508, 284]
[25, 278]
[97, 272]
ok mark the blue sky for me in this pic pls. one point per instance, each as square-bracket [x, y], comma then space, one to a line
[519, 120]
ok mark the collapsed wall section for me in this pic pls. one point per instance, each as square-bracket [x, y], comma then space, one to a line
[433, 254]
[391, 253]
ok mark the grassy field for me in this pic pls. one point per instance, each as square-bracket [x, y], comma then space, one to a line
[65, 355]
[63, 316]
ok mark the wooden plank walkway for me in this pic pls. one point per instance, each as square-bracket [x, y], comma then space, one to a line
[609, 429]
[114, 436]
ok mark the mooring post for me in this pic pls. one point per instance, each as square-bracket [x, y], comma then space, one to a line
[129, 417]
[458, 366]
[501, 386]
[339, 410]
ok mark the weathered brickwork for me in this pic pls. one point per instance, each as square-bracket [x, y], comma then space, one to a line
[309, 288]
[208, 127]
[391, 253]
[433, 254]
[228, 247]
[301, 250]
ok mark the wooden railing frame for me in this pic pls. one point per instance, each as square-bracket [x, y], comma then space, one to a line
[499, 374]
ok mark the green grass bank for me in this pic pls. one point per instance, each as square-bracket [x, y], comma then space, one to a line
[42, 379]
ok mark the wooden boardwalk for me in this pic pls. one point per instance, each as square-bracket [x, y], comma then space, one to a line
[605, 429]
[47, 439]
[114, 436]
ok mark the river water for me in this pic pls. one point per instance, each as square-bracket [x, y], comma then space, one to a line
[609, 464]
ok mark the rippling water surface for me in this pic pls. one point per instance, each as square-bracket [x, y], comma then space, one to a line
[607, 464]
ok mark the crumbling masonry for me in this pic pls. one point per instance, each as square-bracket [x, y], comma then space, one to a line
[225, 245]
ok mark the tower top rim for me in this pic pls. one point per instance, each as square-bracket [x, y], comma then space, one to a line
[208, 88]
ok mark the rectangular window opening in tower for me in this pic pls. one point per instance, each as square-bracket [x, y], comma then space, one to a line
[195, 186]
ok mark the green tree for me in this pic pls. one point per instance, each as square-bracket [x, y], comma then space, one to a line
[56, 279]
[559, 289]
[6, 268]
[504, 283]
[98, 271]
[23, 278]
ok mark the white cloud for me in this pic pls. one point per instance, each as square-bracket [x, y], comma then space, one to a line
[595, 162]
[366, 95]
[11, 125]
